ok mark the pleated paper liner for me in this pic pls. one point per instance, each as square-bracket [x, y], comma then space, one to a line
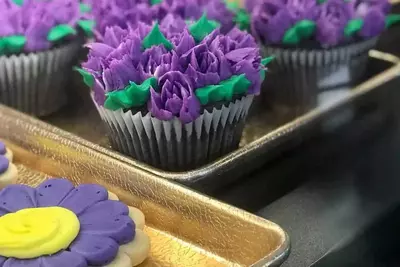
[297, 76]
[34, 83]
[171, 145]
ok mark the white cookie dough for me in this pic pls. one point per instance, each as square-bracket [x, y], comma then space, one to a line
[9, 176]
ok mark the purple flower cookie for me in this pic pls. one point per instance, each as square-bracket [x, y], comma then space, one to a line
[64, 225]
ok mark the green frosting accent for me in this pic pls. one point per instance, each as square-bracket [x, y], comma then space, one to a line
[392, 19]
[60, 31]
[156, 37]
[87, 26]
[88, 78]
[133, 95]
[224, 91]
[12, 44]
[84, 8]
[321, 1]
[353, 26]
[202, 27]
[18, 2]
[242, 19]
[262, 74]
[303, 29]
[265, 61]
[155, 2]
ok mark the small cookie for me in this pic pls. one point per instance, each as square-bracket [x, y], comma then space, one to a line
[4, 151]
[8, 172]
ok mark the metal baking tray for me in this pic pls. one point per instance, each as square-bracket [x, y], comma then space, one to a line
[266, 133]
[185, 228]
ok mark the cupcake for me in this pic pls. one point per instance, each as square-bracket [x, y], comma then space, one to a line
[127, 13]
[39, 41]
[57, 224]
[318, 45]
[174, 95]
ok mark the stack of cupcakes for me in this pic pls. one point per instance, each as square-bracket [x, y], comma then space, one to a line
[39, 41]
[175, 94]
[318, 45]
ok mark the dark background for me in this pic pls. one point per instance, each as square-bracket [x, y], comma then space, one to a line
[337, 194]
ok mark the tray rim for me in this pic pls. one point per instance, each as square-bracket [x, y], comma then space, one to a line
[228, 161]
[275, 258]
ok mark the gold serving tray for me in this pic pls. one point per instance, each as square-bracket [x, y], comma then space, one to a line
[185, 228]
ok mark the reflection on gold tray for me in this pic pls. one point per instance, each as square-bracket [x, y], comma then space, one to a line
[185, 228]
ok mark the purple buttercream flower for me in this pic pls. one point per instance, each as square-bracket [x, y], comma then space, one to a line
[374, 23]
[34, 19]
[333, 15]
[272, 18]
[175, 98]
[104, 224]
[373, 12]
[127, 13]
[238, 53]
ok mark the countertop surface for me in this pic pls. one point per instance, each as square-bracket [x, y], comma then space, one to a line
[335, 193]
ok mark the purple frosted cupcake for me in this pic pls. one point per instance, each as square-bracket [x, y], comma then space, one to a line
[174, 95]
[58, 224]
[39, 41]
[318, 45]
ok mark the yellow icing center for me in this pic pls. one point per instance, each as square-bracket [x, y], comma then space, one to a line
[34, 232]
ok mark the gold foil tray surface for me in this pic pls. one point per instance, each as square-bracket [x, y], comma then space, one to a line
[185, 228]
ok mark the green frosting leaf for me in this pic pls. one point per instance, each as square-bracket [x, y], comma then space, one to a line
[353, 26]
[321, 1]
[303, 29]
[155, 2]
[133, 95]
[392, 19]
[242, 19]
[12, 44]
[262, 74]
[265, 61]
[202, 27]
[84, 8]
[156, 37]
[18, 2]
[87, 26]
[60, 31]
[88, 78]
[224, 91]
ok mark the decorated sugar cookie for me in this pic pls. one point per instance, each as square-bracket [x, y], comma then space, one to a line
[57, 224]
[4, 151]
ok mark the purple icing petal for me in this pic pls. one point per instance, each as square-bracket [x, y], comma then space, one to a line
[108, 218]
[17, 197]
[11, 262]
[96, 249]
[332, 19]
[2, 260]
[83, 197]
[64, 259]
[4, 163]
[53, 191]
[374, 23]
[3, 149]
